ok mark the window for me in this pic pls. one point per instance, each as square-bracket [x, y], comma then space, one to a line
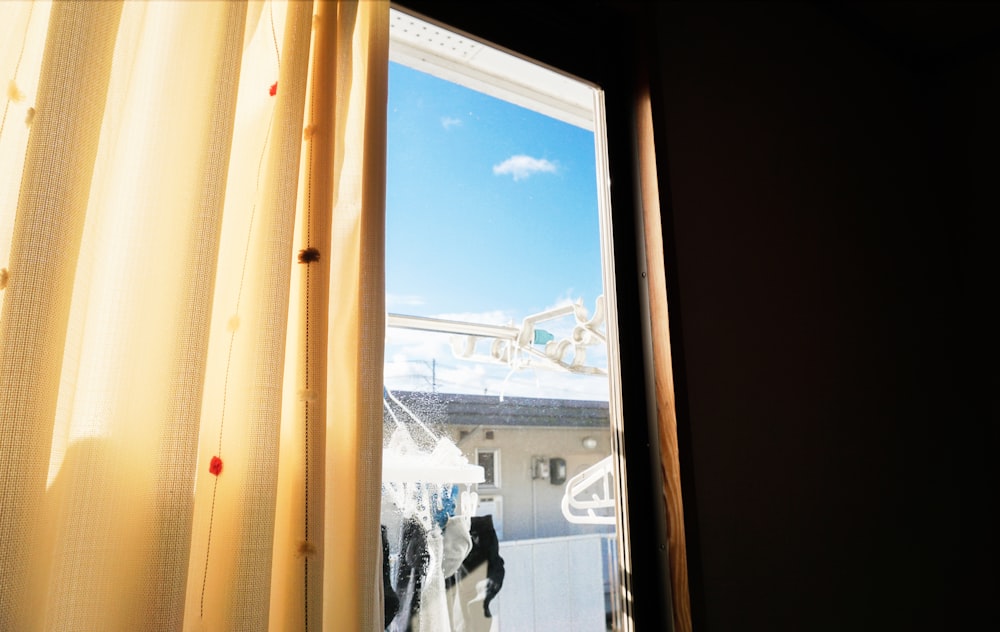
[489, 460]
[501, 349]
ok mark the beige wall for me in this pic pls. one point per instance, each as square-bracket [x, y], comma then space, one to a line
[531, 507]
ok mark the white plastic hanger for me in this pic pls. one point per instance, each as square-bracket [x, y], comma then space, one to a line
[588, 498]
[404, 461]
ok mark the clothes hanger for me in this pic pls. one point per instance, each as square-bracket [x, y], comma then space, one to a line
[404, 461]
[588, 498]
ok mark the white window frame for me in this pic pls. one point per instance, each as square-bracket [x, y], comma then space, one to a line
[504, 74]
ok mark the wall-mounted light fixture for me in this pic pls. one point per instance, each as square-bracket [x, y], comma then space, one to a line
[589, 442]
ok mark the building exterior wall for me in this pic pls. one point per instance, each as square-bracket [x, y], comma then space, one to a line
[524, 504]
[531, 506]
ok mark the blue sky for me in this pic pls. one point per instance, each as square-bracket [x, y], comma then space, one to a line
[491, 215]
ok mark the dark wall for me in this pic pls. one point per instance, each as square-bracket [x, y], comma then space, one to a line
[827, 194]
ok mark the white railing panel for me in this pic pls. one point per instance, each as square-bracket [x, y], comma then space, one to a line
[554, 584]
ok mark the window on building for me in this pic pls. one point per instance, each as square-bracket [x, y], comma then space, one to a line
[489, 460]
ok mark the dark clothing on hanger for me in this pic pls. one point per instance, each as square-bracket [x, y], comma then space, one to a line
[391, 600]
[485, 550]
[410, 573]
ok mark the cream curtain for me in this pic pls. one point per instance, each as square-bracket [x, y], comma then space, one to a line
[191, 244]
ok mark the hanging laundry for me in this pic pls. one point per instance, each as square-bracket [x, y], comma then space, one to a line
[433, 613]
[456, 544]
[390, 599]
[478, 580]
[420, 589]
[410, 572]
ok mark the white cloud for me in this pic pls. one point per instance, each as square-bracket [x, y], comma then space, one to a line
[521, 166]
[449, 122]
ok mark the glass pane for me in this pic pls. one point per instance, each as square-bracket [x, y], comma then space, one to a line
[497, 506]
[487, 461]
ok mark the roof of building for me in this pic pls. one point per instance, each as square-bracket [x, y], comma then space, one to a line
[489, 410]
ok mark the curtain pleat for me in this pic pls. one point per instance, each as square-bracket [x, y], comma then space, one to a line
[327, 543]
[357, 328]
[47, 232]
[229, 586]
[190, 405]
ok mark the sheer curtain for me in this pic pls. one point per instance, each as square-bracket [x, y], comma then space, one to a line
[191, 264]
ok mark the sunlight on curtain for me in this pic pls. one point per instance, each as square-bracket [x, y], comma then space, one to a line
[190, 408]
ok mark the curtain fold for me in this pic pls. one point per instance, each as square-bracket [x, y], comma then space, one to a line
[45, 243]
[159, 316]
[357, 323]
